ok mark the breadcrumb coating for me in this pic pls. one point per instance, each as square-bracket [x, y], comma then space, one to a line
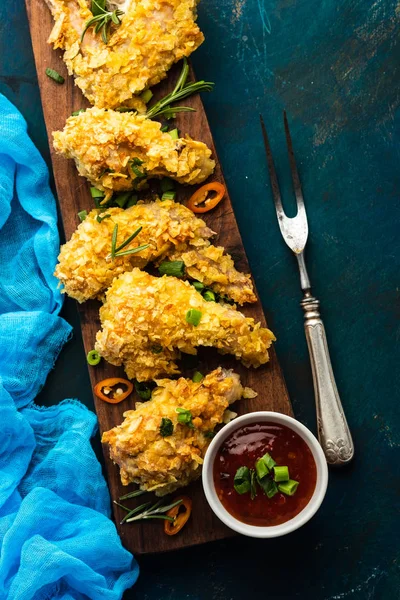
[85, 269]
[104, 143]
[153, 35]
[164, 464]
[142, 312]
[215, 268]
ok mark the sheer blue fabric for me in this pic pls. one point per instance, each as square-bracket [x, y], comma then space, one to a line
[56, 538]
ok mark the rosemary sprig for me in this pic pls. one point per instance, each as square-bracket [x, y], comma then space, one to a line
[132, 494]
[102, 20]
[116, 250]
[182, 90]
[145, 512]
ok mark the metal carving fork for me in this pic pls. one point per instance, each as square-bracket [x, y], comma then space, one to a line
[333, 432]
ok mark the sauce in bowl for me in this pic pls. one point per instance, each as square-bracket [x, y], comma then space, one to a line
[243, 447]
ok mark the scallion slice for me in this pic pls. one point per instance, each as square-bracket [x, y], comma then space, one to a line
[174, 133]
[164, 129]
[197, 285]
[209, 296]
[288, 487]
[261, 468]
[122, 199]
[241, 481]
[54, 75]
[173, 268]
[95, 193]
[167, 184]
[132, 201]
[185, 417]
[78, 112]
[281, 474]
[193, 316]
[146, 96]
[143, 390]
[197, 377]
[93, 358]
[253, 486]
[168, 196]
[82, 215]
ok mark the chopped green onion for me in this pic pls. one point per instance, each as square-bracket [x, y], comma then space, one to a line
[82, 215]
[136, 161]
[99, 218]
[54, 75]
[122, 199]
[241, 481]
[168, 196]
[167, 184]
[93, 358]
[78, 112]
[123, 109]
[288, 487]
[185, 417]
[146, 96]
[209, 296]
[268, 461]
[253, 486]
[269, 486]
[193, 317]
[174, 268]
[132, 201]
[197, 377]
[164, 129]
[143, 390]
[156, 349]
[174, 133]
[197, 285]
[281, 474]
[261, 468]
[209, 434]
[95, 193]
[166, 427]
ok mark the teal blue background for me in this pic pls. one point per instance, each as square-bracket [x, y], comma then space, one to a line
[334, 66]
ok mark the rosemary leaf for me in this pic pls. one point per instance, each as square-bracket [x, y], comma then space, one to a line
[129, 239]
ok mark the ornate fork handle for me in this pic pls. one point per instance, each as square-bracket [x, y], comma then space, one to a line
[333, 432]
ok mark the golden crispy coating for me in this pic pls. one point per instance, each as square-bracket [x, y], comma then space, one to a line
[163, 464]
[216, 269]
[142, 313]
[85, 268]
[104, 143]
[153, 35]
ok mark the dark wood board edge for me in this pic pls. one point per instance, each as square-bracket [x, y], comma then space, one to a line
[58, 103]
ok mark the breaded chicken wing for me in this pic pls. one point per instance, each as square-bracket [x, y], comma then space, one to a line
[152, 36]
[119, 151]
[215, 268]
[146, 323]
[85, 267]
[164, 463]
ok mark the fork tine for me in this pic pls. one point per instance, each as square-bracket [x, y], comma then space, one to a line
[293, 167]
[271, 168]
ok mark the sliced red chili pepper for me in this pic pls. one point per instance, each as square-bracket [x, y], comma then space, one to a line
[113, 389]
[180, 514]
[201, 203]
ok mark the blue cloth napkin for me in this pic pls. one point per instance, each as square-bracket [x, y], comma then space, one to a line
[56, 538]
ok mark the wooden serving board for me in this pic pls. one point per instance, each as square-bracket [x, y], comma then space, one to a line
[73, 194]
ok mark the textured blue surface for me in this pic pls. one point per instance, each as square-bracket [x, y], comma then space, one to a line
[335, 67]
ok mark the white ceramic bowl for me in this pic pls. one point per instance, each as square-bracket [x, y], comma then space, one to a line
[274, 530]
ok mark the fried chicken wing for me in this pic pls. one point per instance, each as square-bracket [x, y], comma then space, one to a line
[152, 36]
[85, 268]
[119, 151]
[145, 325]
[215, 268]
[164, 464]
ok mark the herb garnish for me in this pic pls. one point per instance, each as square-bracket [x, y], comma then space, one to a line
[102, 20]
[182, 90]
[145, 511]
[143, 390]
[116, 250]
[270, 477]
[166, 427]
[185, 417]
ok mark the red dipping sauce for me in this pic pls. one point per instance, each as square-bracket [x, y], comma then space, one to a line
[243, 447]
